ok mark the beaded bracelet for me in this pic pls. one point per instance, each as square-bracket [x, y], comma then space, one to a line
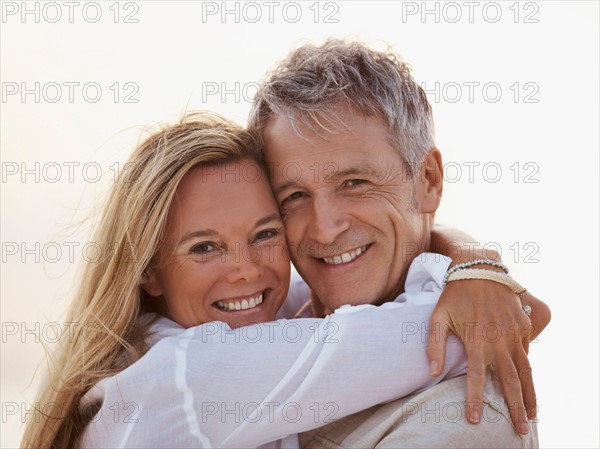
[462, 266]
[489, 275]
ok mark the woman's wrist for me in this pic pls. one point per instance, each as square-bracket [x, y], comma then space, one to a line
[459, 246]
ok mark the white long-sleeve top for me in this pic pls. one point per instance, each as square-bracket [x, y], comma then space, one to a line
[211, 386]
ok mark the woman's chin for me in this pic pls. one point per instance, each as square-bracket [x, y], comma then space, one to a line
[236, 322]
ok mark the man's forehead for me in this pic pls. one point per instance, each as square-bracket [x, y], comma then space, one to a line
[365, 150]
[288, 139]
[331, 168]
[279, 129]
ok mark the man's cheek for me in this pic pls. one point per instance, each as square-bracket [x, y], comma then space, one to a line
[293, 235]
[295, 253]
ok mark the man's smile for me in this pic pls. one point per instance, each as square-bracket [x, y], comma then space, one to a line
[346, 257]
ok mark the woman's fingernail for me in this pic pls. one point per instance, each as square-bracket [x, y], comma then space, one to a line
[475, 416]
[524, 428]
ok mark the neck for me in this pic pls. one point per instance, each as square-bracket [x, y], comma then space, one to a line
[423, 247]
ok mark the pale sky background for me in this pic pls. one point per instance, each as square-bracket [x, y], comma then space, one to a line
[528, 128]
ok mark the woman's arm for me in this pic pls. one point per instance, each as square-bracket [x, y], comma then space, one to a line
[216, 387]
[465, 305]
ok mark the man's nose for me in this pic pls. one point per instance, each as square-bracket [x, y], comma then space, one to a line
[327, 220]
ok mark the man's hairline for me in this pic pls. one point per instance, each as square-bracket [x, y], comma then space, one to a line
[390, 138]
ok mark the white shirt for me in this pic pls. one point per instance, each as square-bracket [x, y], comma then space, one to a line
[211, 386]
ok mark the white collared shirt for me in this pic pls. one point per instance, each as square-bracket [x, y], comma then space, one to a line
[213, 386]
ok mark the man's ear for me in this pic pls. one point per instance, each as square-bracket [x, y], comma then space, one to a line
[150, 284]
[432, 175]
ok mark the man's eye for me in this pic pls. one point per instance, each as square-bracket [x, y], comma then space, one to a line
[293, 196]
[266, 234]
[204, 248]
[355, 182]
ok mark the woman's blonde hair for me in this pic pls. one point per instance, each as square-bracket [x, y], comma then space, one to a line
[109, 297]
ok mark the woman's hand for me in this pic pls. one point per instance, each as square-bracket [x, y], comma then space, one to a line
[490, 321]
[488, 317]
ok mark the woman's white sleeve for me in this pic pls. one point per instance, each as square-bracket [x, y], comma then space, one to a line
[212, 386]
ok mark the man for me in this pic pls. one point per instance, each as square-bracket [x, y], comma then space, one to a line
[350, 147]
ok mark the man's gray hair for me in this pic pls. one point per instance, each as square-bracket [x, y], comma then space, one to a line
[313, 80]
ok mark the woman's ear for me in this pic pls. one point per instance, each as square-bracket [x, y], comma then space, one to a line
[150, 283]
[432, 174]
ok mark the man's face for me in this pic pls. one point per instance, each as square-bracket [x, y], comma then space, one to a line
[352, 213]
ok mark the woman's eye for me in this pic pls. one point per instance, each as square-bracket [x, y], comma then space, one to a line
[266, 234]
[204, 248]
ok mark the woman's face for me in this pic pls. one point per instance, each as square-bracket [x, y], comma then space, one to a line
[223, 257]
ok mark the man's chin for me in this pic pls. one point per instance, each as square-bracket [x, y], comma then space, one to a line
[336, 302]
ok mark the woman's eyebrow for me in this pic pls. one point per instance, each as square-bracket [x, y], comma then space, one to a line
[212, 232]
[197, 234]
[269, 218]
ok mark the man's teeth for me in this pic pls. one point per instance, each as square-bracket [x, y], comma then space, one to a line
[346, 257]
[241, 305]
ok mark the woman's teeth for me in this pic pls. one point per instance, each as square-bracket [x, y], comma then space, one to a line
[244, 304]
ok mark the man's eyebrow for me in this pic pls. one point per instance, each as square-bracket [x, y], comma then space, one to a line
[277, 190]
[366, 170]
[213, 233]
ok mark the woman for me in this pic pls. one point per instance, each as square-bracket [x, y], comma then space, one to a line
[186, 353]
